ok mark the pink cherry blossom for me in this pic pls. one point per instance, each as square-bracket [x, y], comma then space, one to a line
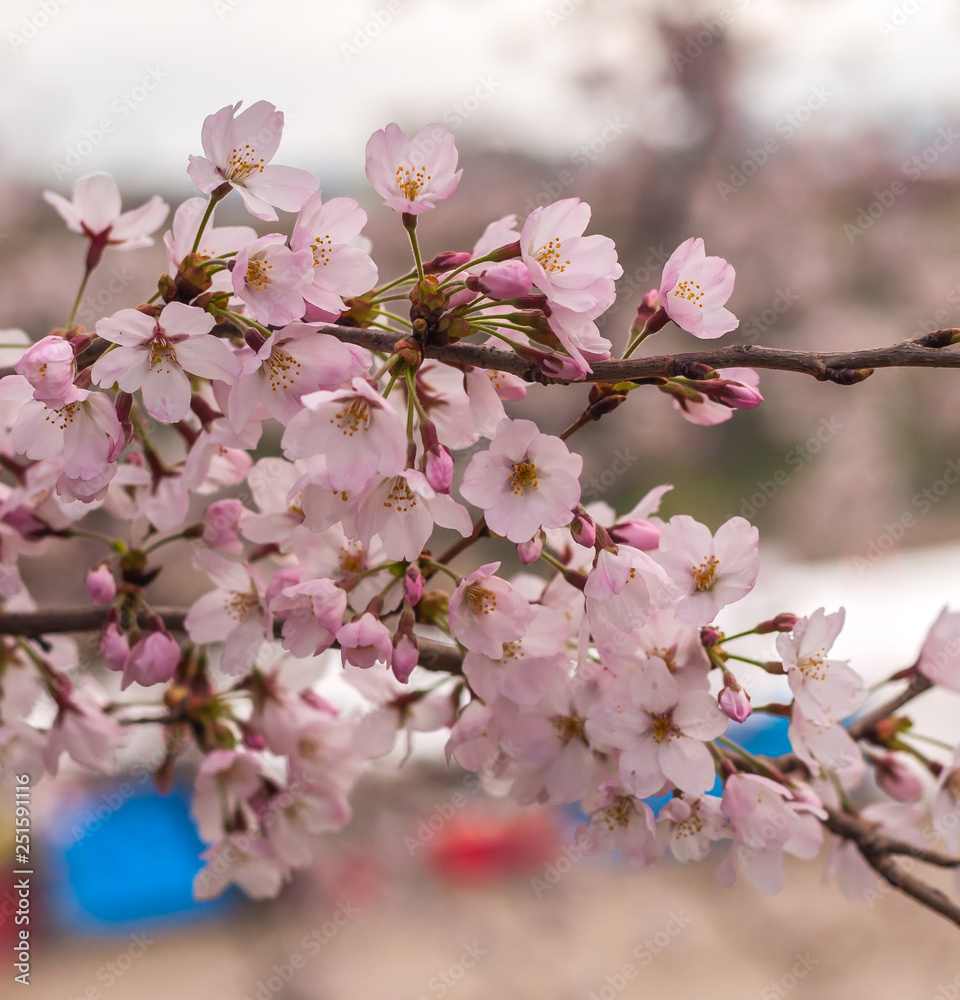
[95, 213]
[238, 150]
[688, 826]
[248, 861]
[312, 612]
[365, 642]
[292, 362]
[825, 690]
[153, 660]
[402, 511]
[694, 290]
[619, 822]
[355, 429]
[525, 481]
[101, 585]
[156, 355]
[571, 269]
[940, 655]
[226, 781]
[221, 525]
[411, 175]
[710, 571]
[620, 589]
[49, 366]
[766, 820]
[233, 614]
[662, 739]
[735, 703]
[85, 732]
[822, 744]
[327, 230]
[270, 278]
[485, 612]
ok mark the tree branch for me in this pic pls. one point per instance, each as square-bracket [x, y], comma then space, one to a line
[825, 366]
[49, 621]
[878, 851]
[865, 725]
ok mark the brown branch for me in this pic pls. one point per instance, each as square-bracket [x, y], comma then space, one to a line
[825, 366]
[49, 621]
[865, 725]
[878, 850]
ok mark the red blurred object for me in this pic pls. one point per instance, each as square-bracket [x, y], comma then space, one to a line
[479, 846]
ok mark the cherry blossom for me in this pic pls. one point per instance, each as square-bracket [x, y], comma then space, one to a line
[156, 355]
[940, 656]
[485, 612]
[688, 826]
[525, 481]
[411, 175]
[694, 289]
[237, 151]
[619, 821]
[95, 212]
[710, 571]
[270, 278]
[49, 366]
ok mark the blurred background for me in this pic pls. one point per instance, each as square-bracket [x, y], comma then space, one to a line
[814, 145]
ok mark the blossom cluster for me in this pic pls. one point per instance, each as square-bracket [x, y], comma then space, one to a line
[583, 665]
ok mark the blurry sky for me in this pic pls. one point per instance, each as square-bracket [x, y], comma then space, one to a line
[534, 75]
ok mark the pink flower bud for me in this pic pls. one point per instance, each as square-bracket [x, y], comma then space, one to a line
[50, 368]
[100, 584]
[735, 703]
[114, 647]
[406, 653]
[438, 468]
[584, 529]
[640, 534]
[709, 636]
[153, 660]
[413, 585]
[736, 395]
[221, 524]
[781, 623]
[365, 641]
[529, 552]
[897, 780]
[507, 280]
[449, 260]
[649, 305]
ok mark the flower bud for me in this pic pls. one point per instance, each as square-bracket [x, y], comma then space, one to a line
[897, 780]
[648, 307]
[406, 653]
[784, 622]
[413, 584]
[49, 367]
[735, 703]
[449, 260]
[100, 584]
[114, 647]
[584, 529]
[736, 395]
[710, 636]
[153, 660]
[529, 552]
[640, 534]
[221, 524]
[508, 280]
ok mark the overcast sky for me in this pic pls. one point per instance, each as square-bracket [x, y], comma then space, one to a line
[143, 75]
